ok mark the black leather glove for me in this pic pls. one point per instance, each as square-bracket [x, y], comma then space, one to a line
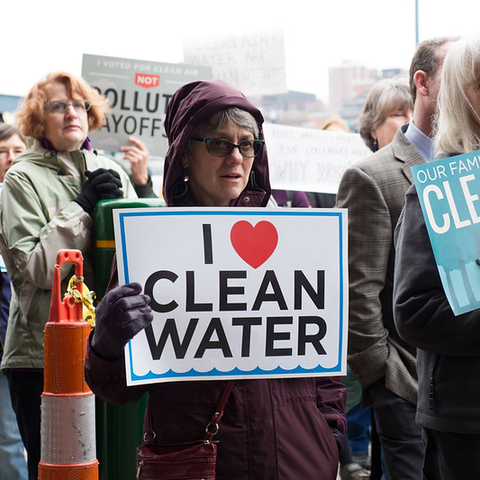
[101, 184]
[122, 313]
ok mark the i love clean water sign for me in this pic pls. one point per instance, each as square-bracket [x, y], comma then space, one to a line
[236, 293]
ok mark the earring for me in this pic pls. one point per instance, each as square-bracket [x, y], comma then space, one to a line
[375, 144]
[181, 187]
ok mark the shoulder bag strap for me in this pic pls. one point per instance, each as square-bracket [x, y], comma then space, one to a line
[214, 424]
[212, 427]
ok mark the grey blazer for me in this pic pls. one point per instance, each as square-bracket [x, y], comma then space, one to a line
[373, 191]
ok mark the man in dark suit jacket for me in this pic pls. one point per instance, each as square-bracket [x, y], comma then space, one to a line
[373, 190]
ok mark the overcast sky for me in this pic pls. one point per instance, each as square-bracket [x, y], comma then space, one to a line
[43, 36]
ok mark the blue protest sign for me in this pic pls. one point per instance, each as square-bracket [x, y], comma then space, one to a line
[449, 193]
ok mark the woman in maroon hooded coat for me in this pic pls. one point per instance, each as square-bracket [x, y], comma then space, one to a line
[286, 428]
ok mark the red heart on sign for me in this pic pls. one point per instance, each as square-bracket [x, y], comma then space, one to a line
[254, 244]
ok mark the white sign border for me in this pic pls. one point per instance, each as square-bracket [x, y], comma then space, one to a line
[339, 369]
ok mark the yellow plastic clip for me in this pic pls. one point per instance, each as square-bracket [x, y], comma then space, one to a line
[87, 298]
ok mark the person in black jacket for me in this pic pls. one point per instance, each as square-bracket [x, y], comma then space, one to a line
[448, 346]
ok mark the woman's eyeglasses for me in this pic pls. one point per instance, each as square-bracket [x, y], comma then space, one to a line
[57, 106]
[218, 147]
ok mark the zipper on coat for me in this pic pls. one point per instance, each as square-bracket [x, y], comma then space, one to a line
[431, 394]
[139, 468]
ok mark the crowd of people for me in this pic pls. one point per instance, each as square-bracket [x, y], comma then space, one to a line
[407, 408]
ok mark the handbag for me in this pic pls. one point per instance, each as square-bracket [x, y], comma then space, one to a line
[181, 461]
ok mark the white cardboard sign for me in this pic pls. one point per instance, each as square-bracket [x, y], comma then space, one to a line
[253, 62]
[236, 293]
[309, 159]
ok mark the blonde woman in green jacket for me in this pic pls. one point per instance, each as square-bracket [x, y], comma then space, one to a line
[48, 198]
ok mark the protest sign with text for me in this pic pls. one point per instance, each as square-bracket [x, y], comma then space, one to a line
[253, 62]
[138, 92]
[310, 160]
[236, 293]
[449, 193]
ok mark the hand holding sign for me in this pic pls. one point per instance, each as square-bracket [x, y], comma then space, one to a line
[122, 313]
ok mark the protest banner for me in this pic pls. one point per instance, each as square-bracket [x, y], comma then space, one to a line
[308, 159]
[236, 293]
[254, 62]
[449, 193]
[138, 92]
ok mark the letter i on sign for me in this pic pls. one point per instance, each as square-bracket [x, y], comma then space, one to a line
[207, 244]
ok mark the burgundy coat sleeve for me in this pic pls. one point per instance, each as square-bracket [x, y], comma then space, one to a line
[107, 379]
[331, 399]
[300, 199]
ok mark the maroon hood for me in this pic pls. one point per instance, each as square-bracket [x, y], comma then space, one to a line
[190, 105]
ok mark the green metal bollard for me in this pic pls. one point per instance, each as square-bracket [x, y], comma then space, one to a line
[119, 427]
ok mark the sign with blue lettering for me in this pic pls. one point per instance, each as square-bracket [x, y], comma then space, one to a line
[236, 293]
[449, 193]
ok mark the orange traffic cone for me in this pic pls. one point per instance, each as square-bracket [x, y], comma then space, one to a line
[68, 448]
